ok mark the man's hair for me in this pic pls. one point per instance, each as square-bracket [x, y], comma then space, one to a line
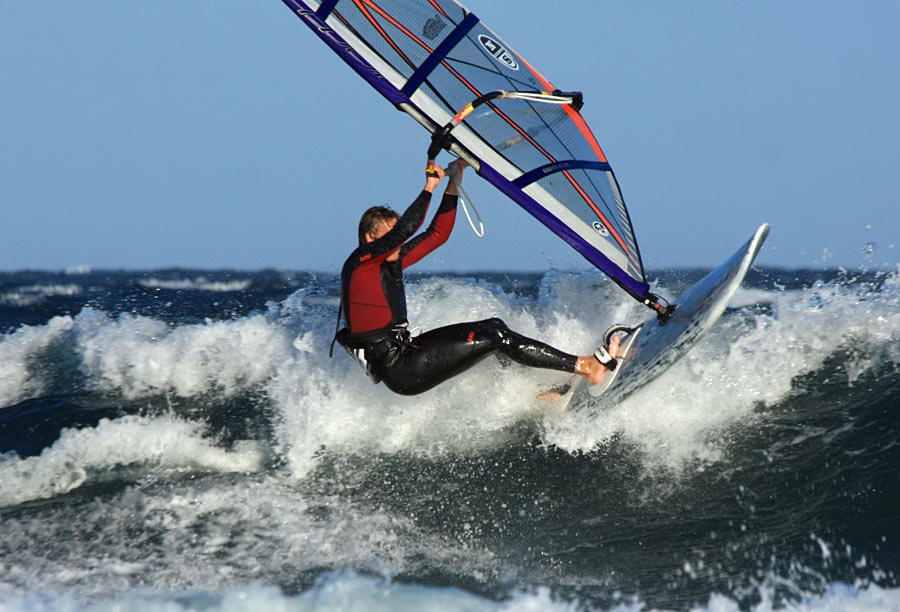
[371, 220]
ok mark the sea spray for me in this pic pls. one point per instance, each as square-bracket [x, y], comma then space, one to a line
[218, 456]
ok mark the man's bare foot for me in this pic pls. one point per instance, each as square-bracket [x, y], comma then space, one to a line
[554, 393]
[549, 396]
[590, 368]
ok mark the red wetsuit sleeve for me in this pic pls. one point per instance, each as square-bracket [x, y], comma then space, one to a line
[437, 233]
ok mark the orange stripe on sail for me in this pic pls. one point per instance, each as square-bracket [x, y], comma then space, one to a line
[574, 115]
[384, 34]
[590, 202]
[579, 122]
[393, 22]
[438, 8]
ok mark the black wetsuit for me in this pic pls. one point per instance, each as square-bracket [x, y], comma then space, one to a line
[374, 307]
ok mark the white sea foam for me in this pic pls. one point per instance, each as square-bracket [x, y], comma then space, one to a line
[18, 349]
[160, 443]
[350, 592]
[344, 591]
[139, 356]
[332, 403]
[748, 360]
[744, 362]
[218, 532]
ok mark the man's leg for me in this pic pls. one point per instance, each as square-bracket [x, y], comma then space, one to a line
[447, 351]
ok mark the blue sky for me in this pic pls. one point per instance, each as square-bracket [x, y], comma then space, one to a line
[226, 135]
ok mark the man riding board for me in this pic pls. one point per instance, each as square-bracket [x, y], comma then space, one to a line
[373, 303]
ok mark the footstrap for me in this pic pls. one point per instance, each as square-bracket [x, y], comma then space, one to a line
[603, 356]
[615, 329]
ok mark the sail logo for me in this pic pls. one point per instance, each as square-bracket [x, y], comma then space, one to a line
[600, 229]
[433, 27]
[498, 52]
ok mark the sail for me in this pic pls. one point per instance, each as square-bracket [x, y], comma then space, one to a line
[432, 59]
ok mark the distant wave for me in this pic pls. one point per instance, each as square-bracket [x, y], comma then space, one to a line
[29, 295]
[199, 283]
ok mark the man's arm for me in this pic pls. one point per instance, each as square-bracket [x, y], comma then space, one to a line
[411, 220]
[440, 227]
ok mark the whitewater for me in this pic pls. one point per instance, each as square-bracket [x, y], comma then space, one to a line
[180, 439]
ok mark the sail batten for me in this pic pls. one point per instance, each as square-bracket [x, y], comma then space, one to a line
[432, 58]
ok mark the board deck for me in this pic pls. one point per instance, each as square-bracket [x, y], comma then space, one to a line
[660, 346]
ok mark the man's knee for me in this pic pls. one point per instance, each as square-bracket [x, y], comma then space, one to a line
[495, 323]
[493, 329]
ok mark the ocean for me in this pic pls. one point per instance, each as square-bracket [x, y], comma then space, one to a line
[180, 440]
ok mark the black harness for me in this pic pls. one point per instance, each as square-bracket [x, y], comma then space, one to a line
[376, 350]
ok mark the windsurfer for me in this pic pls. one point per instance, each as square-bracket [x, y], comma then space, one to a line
[374, 306]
